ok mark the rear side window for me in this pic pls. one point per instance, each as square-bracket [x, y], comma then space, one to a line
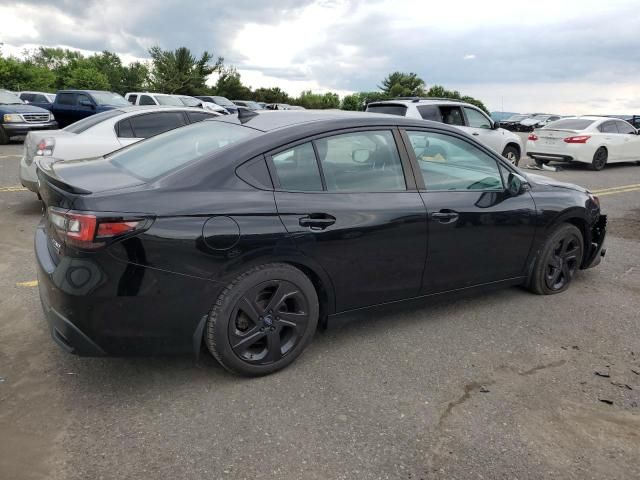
[430, 112]
[146, 100]
[608, 127]
[570, 124]
[195, 117]
[159, 155]
[86, 123]
[124, 130]
[150, 124]
[452, 116]
[132, 99]
[388, 108]
[66, 98]
[297, 169]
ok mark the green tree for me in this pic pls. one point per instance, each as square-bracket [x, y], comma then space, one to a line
[400, 84]
[179, 71]
[358, 101]
[20, 75]
[85, 77]
[310, 100]
[230, 85]
[271, 95]
[441, 92]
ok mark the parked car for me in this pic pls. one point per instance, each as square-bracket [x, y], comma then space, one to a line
[248, 104]
[39, 99]
[222, 101]
[595, 141]
[632, 119]
[18, 118]
[536, 121]
[511, 122]
[73, 105]
[102, 133]
[196, 102]
[278, 106]
[464, 116]
[148, 98]
[245, 232]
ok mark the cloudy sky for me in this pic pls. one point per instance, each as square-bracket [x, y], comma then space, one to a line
[560, 56]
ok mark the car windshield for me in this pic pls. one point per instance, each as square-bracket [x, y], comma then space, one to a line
[388, 108]
[191, 102]
[569, 124]
[8, 98]
[163, 153]
[516, 118]
[109, 98]
[86, 123]
[51, 97]
[223, 101]
[169, 100]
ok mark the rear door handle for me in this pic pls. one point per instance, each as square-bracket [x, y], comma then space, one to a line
[317, 221]
[475, 134]
[445, 217]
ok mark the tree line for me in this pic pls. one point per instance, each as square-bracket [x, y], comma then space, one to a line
[179, 71]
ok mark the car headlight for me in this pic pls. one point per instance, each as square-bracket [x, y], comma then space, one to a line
[51, 117]
[12, 118]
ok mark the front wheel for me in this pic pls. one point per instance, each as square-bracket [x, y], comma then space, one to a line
[558, 261]
[263, 320]
[512, 154]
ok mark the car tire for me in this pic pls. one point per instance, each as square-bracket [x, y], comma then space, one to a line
[4, 138]
[559, 260]
[263, 320]
[599, 159]
[512, 154]
[540, 162]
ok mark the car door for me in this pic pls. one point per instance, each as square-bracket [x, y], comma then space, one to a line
[613, 140]
[478, 232]
[351, 206]
[631, 140]
[84, 106]
[479, 125]
[138, 127]
[64, 108]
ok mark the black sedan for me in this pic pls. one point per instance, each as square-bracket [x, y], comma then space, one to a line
[245, 233]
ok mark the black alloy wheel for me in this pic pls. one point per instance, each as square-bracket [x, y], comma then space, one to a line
[263, 320]
[558, 262]
[599, 159]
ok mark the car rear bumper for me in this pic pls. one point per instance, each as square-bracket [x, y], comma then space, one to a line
[598, 249]
[18, 129]
[551, 156]
[28, 175]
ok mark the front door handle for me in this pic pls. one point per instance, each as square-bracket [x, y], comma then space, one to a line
[475, 134]
[445, 216]
[317, 221]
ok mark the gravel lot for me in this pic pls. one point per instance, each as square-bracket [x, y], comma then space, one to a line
[493, 386]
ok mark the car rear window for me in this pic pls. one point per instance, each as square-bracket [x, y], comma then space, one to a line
[569, 124]
[161, 154]
[86, 123]
[388, 108]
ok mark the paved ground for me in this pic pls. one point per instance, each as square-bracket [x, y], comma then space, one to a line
[493, 386]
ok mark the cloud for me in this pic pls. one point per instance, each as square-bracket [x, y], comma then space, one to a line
[469, 56]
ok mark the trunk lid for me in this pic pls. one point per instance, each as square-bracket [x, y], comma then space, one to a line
[553, 138]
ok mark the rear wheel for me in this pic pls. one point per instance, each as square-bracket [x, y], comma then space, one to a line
[599, 159]
[4, 138]
[512, 154]
[558, 262]
[263, 320]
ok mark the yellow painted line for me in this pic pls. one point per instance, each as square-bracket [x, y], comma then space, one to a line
[12, 189]
[31, 283]
[614, 189]
[613, 192]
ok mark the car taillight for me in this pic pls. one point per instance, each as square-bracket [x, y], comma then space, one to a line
[89, 231]
[46, 146]
[577, 139]
[533, 137]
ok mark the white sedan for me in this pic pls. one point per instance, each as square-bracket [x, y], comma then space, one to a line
[596, 141]
[102, 133]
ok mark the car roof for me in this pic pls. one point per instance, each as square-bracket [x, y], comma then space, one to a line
[74, 90]
[270, 120]
[422, 101]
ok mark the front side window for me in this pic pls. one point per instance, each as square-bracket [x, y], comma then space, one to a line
[80, 98]
[452, 116]
[361, 162]
[624, 127]
[150, 124]
[65, 99]
[449, 163]
[297, 169]
[608, 127]
[476, 119]
[430, 112]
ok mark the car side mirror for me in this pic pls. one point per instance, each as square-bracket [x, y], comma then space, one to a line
[86, 103]
[516, 184]
[494, 125]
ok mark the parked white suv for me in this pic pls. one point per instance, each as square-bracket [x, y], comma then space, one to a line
[465, 116]
[167, 100]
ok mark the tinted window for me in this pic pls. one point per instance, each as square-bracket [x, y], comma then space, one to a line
[81, 97]
[361, 162]
[198, 116]
[476, 119]
[430, 112]
[150, 124]
[608, 127]
[27, 96]
[570, 124]
[65, 98]
[168, 100]
[86, 123]
[452, 115]
[124, 130]
[146, 100]
[159, 155]
[40, 99]
[297, 169]
[388, 108]
[132, 99]
[449, 163]
[109, 98]
[624, 127]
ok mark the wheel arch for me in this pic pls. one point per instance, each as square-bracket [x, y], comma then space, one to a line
[578, 217]
[511, 143]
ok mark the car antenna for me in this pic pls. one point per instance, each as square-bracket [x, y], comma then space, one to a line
[244, 114]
